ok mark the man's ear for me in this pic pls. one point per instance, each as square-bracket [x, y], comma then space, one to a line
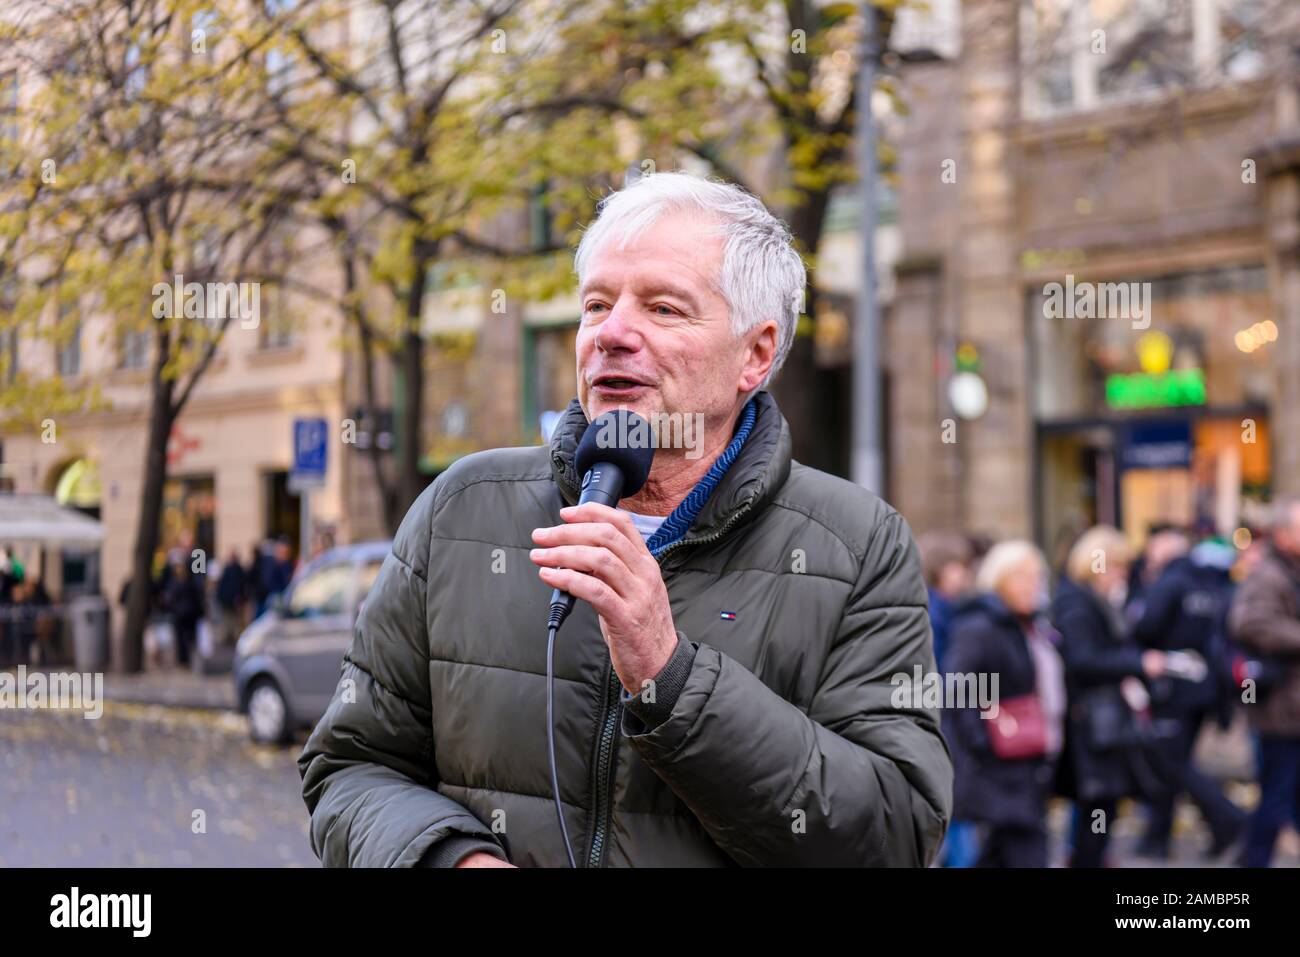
[759, 356]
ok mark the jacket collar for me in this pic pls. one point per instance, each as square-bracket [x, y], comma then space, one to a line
[747, 487]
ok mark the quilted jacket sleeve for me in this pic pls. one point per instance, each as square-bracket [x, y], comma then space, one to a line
[368, 768]
[856, 781]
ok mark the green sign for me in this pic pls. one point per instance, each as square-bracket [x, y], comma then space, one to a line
[1145, 390]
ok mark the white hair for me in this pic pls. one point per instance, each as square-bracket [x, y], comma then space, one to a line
[763, 276]
[1003, 559]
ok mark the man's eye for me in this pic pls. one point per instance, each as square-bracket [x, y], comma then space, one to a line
[665, 310]
[593, 306]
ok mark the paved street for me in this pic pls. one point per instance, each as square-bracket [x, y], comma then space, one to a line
[123, 790]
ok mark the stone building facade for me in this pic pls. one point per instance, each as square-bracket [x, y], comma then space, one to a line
[1042, 155]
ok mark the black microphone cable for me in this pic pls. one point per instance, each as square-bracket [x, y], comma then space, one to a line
[614, 458]
[557, 616]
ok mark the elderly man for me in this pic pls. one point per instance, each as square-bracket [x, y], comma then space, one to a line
[723, 692]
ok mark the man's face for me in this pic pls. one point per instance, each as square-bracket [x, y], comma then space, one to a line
[656, 334]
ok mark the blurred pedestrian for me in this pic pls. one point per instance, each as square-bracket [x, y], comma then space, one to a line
[1107, 748]
[183, 600]
[1185, 612]
[1004, 764]
[232, 598]
[10, 575]
[1164, 543]
[273, 571]
[1265, 620]
[322, 540]
[946, 564]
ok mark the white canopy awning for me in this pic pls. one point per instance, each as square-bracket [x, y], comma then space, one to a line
[38, 518]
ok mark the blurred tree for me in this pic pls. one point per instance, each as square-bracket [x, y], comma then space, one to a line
[424, 125]
[759, 93]
[391, 118]
[138, 158]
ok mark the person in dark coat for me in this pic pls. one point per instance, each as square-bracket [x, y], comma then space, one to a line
[1103, 671]
[946, 563]
[233, 587]
[183, 600]
[1186, 610]
[1164, 543]
[1000, 631]
[1265, 621]
[272, 572]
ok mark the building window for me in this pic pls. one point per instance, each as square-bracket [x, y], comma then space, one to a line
[9, 129]
[279, 64]
[136, 75]
[1079, 55]
[548, 375]
[133, 349]
[9, 336]
[274, 328]
[275, 321]
[927, 29]
[203, 28]
[68, 356]
[9, 353]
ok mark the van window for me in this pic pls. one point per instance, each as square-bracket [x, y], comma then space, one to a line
[322, 592]
[369, 572]
[366, 576]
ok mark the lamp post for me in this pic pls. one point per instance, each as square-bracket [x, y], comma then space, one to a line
[867, 460]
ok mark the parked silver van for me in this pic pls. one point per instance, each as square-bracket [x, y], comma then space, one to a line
[287, 661]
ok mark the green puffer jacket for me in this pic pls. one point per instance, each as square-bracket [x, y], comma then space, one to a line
[782, 746]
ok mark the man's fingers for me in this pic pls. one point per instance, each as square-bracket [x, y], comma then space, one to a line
[595, 512]
[583, 587]
[596, 534]
[600, 562]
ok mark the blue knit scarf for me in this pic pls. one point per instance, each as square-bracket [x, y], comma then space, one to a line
[676, 524]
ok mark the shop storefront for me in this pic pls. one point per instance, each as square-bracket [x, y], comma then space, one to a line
[1151, 402]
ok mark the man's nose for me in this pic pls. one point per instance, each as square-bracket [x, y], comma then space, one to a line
[620, 330]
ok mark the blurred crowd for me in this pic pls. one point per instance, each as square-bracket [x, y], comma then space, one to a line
[199, 609]
[28, 623]
[1108, 671]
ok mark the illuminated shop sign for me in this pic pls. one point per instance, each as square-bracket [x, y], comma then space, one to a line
[1162, 390]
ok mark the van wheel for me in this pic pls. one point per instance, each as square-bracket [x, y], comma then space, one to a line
[268, 713]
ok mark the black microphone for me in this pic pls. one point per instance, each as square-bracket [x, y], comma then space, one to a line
[613, 458]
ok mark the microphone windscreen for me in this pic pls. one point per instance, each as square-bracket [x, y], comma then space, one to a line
[623, 439]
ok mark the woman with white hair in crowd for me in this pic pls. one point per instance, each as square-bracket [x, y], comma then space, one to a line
[1004, 756]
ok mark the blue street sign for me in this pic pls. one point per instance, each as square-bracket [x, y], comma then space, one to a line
[309, 441]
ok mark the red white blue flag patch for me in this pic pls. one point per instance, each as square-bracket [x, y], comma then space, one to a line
[727, 615]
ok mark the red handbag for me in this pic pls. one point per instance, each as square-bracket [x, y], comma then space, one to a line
[1019, 730]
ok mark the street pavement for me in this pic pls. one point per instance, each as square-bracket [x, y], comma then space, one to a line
[146, 786]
